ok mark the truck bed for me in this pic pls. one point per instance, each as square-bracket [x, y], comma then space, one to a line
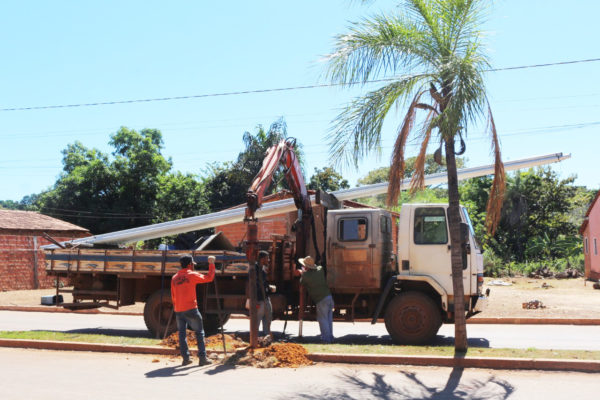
[138, 262]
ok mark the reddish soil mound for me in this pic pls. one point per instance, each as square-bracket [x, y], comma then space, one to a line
[212, 342]
[289, 355]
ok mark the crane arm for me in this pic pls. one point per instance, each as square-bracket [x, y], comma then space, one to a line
[280, 154]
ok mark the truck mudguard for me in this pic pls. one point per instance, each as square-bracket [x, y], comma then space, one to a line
[431, 282]
[383, 297]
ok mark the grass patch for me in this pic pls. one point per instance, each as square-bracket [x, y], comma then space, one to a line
[449, 351]
[78, 337]
[321, 348]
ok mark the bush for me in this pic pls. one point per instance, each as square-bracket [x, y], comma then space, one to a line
[493, 265]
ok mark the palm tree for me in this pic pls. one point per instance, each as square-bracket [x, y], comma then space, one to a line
[432, 56]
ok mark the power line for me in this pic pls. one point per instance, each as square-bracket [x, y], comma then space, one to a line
[256, 91]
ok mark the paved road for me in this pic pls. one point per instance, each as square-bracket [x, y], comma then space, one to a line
[495, 336]
[30, 374]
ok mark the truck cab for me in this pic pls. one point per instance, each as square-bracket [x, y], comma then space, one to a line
[412, 288]
[424, 247]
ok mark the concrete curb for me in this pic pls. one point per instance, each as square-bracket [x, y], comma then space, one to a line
[476, 320]
[82, 346]
[457, 362]
[535, 321]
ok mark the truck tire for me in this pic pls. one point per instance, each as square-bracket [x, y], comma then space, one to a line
[157, 317]
[211, 323]
[412, 318]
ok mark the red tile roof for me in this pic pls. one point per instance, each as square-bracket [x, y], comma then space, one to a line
[29, 220]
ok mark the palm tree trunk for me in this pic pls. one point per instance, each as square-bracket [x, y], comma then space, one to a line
[460, 325]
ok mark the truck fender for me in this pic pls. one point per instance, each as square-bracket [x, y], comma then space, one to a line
[383, 297]
[431, 282]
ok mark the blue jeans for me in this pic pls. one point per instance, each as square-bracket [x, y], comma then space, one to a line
[194, 320]
[325, 318]
[264, 313]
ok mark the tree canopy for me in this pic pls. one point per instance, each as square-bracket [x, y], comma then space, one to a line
[327, 179]
[227, 183]
[132, 188]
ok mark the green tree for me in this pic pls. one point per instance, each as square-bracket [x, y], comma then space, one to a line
[180, 196]
[227, 183]
[327, 179]
[10, 205]
[106, 195]
[434, 49]
[540, 209]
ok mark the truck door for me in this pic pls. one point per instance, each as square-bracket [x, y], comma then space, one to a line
[350, 251]
[430, 247]
[475, 259]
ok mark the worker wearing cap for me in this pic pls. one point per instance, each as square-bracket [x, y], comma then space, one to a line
[313, 279]
[183, 293]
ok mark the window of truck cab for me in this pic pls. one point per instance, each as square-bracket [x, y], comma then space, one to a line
[352, 229]
[430, 226]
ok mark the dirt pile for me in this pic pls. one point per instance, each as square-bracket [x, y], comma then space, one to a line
[211, 342]
[533, 305]
[289, 355]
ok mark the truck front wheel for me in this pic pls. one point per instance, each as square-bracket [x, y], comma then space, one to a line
[412, 318]
[157, 313]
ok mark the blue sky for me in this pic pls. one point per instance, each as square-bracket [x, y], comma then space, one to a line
[70, 52]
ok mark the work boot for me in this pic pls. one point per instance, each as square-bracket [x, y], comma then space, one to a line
[204, 361]
[186, 362]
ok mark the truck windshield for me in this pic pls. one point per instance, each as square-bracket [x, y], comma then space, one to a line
[468, 220]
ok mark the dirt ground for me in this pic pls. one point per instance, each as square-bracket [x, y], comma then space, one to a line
[32, 298]
[567, 298]
[562, 298]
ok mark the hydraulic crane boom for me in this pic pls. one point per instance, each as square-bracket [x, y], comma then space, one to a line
[282, 154]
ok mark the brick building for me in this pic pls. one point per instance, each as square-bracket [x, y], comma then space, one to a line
[22, 264]
[590, 230]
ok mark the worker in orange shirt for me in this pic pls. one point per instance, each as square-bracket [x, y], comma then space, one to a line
[183, 292]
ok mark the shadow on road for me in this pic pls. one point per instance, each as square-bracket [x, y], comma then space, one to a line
[168, 372]
[352, 386]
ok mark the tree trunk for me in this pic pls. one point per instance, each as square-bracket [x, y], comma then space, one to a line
[460, 325]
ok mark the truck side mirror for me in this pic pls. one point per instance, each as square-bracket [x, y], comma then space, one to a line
[464, 233]
[464, 243]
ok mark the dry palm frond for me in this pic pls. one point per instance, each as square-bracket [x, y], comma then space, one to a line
[494, 206]
[418, 179]
[397, 168]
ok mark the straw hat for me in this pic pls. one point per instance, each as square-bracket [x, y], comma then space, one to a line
[308, 262]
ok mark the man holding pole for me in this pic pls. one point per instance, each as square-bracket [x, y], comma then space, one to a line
[312, 277]
[183, 293]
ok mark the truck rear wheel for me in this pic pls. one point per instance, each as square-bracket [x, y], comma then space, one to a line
[211, 323]
[156, 316]
[412, 318]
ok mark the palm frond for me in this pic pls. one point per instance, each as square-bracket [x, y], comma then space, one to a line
[357, 129]
[375, 47]
[418, 179]
[494, 206]
[397, 167]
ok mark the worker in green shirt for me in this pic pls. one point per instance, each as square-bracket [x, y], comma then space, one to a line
[312, 277]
